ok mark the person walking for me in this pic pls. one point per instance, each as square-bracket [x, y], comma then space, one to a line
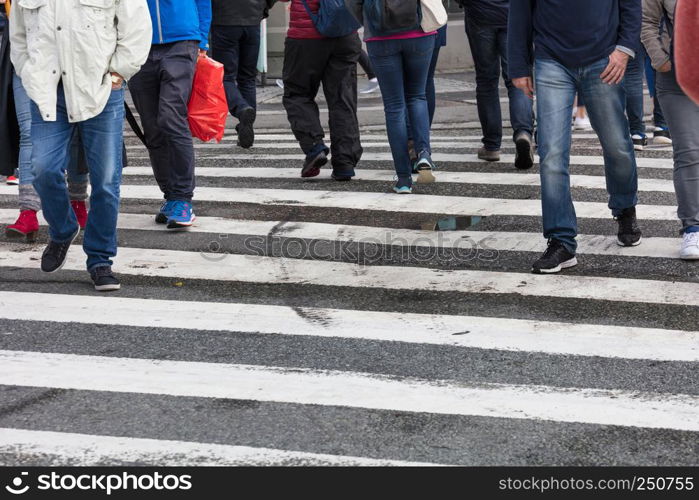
[72, 60]
[310, 59]
[486, 30]
[401, 58]
[440, 41]
[682, 115]
[27, 224]
[633, 88]
[661, 133]
[161, 91]
[235, 43]
[592, 61]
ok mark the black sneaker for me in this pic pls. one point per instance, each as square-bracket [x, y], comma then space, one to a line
[104, 279]
[342, 176]
[54, 256]
[555, 258]
[629, 234]
[661, 136]
[639, 142]
[246, 134]
[312, 164]
[524, 158]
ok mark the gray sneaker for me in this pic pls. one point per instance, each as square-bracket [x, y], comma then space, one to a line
[488, 155]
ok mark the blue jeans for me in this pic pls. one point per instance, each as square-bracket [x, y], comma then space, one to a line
[401, 66]
[633, 87]
[658, 117]
[237, 48]
[28, 198]
[489, 50]
[430, 91]
[556, 86]
[102, 138]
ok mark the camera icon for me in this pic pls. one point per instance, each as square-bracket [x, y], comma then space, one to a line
[16, 487]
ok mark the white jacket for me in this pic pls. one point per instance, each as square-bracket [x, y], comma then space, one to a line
[80, 42]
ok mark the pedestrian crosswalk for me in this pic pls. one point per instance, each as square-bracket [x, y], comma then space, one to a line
[320, 323]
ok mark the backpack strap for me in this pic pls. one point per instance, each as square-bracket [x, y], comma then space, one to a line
[314, 17]
[133, 123]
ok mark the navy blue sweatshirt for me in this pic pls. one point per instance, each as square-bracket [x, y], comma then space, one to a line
[573, 32]
[487, 12]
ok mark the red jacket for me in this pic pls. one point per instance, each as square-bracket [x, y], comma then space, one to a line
[686, 41]
[300, 24]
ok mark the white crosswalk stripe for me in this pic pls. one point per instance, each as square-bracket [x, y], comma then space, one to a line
[662, 163]
[498, 179]
[396, 347]
[215, 380]
[662, 248]
[255, 269]
[484, 333]
[429, 204]
[79, 450]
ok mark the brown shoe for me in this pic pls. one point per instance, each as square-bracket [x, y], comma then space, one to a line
[488, 155]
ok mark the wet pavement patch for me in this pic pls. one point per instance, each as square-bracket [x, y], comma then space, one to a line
[452, 223]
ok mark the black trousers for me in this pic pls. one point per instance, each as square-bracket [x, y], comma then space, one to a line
[161, 93]
[332, 62]
[237, 48]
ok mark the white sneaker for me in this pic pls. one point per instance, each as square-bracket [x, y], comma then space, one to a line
[371, 86]
[582, 123]
[690, 246]
[661, 136]
[280, 83]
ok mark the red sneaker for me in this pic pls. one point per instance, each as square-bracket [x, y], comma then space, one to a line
[27, 226]
[12, 180]
[80, 209]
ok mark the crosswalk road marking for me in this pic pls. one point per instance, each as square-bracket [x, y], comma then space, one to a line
[661, 248]
[484, 333]
[78, 450]
[663, 163]
[430, 204]
[606, 361]
[341, 388]
[498, 179]
[256, 269]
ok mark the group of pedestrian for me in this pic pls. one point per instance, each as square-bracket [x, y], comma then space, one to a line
[72, 58]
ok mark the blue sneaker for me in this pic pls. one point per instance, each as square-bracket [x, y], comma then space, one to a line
[423, 168]
[182, 215]
[165, 212]
[403, 186]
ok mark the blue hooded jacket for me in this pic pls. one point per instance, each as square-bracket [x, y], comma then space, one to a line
[177, 20]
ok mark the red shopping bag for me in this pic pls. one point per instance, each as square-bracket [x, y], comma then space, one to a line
[208, 107]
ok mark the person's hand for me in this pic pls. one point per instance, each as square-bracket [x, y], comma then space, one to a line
[525, 84]
[117, 81]
[665, 67]
[202, 52]
[613, 74]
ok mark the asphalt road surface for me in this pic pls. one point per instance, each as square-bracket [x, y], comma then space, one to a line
[318, 322]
